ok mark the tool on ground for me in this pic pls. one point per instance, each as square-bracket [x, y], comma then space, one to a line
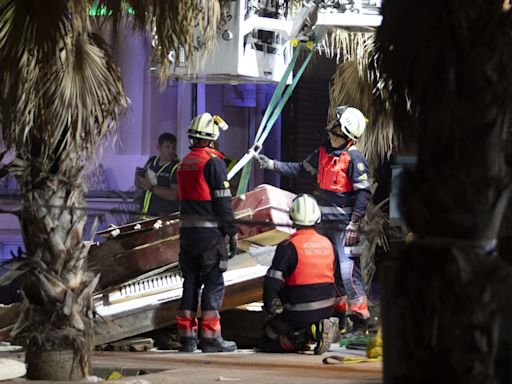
[335, 359]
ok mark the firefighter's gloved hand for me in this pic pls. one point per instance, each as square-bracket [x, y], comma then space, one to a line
[267, 316]
[265, 163]
[351, 234]
[269, 310]
[233, 245]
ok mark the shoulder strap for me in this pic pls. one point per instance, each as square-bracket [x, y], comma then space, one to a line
[173, 169]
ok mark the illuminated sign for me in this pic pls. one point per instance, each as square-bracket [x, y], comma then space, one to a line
[97, 10]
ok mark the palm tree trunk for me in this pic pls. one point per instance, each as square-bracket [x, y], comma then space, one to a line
[61, 96]
[441, 315]
[448, 65]
[57, 313]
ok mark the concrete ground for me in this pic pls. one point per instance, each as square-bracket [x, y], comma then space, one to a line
[244, 366]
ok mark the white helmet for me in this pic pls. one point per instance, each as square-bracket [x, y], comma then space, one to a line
[352, 121]
[305, 211]
[206, 126]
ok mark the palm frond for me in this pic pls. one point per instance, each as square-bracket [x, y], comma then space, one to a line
[357, 82]
[58, 108]
[343, 45]
[61, 95]
[35, 25]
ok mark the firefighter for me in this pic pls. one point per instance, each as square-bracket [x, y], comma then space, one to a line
[206, 218]
[343, 193]
[301, 278]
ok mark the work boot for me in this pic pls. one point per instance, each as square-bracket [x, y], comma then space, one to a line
[342, 324]
[188, 344]
[217, 344]
[326, 332]
[342, 321]
[359, 327]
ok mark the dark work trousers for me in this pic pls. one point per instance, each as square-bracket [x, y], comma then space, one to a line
[201, 270]
[351, 287]
[290, 331]
[284, 333]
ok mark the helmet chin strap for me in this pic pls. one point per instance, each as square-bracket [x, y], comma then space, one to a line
[199, 143]
[340, 135]
[331, 128]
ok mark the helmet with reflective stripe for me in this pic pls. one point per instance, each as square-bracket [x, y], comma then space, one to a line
[352, 121]
[304, 210]
[206, 126]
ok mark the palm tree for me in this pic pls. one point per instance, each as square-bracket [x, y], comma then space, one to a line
[447, 68]
[61, 95]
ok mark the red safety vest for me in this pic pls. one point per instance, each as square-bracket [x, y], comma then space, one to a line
[315, 259]
[191, 181]
[332, 172]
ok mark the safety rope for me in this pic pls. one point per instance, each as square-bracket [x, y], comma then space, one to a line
[269, 118]
[246, 161]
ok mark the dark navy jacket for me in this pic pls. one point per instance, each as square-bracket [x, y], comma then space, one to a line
[337, 208]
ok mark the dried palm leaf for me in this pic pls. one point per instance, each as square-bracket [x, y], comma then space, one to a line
[343, 45]
[357, 82]
[375, 224]
[188, 26]
[61, 95]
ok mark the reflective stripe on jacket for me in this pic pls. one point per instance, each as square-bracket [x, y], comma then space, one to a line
[337, 206]
[302, 277]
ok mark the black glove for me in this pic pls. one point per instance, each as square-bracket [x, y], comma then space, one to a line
[265, 163]
[269, 312]
[351, 234]
[233, 245]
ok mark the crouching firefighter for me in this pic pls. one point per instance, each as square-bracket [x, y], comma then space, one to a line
[206, 218]
[301, 277]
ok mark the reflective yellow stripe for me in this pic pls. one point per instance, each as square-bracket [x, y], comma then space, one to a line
[147, 196]
[145, 206]
[231, 164]
[174, 169]
[162, 167]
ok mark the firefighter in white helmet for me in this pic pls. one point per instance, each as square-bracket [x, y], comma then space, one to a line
[301, 278]
[206, 219]
[343, 193]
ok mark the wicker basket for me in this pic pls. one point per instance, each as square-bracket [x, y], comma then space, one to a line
[52, 365]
